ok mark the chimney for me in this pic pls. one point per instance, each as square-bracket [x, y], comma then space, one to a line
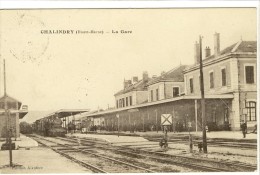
[196, 53]
[207, 52]
[135, 80]
[145, 77]
[216, 44]
[127, 83]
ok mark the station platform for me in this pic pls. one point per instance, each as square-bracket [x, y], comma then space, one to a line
[112, 137]
[38, 160]
[23, 142]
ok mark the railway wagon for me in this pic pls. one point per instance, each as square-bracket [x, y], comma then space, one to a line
[50, 127]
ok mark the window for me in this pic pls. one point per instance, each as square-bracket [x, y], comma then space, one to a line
[175, 92]
[191, 85]
[130, 101]
[224, 79]
[157, 94]
[251, 111]
[123, 100]
[211, 80]
[120, 103]
[249, 70]
[117, 104]
[151, 95]
[126, 101]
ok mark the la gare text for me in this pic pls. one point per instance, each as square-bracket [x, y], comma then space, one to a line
[122, 31]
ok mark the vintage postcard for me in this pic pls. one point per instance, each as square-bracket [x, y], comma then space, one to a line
[128, 90]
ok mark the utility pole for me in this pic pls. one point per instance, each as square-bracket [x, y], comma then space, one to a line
[204, 121]
[7, 115]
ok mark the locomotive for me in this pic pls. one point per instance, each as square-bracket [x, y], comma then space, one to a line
[49, 127]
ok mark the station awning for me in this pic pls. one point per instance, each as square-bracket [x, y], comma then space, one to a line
[135, 107]
[67, 112]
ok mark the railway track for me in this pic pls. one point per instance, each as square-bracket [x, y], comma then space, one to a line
[201, 164]
[67, 149]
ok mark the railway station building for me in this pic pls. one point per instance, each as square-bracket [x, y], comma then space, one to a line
[168, 85]
[230, 94]
[229, 74]
[134, 92]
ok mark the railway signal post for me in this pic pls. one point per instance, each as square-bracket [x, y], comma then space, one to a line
[190, 138]
[117, 116]
[166, 120]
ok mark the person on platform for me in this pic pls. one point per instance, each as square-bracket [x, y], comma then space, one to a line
[244, 129]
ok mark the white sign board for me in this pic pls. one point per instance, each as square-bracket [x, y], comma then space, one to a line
[166, 119]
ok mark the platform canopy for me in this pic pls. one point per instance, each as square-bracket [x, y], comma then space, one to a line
[62, 113]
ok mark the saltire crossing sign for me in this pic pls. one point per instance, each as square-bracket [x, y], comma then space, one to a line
[166, 119]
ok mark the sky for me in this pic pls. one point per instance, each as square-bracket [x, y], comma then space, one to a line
[79, 71]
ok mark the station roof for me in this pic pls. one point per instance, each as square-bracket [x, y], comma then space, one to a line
[67, 112]
[174, 75]
[139, 86]
[11, 99]
[135, 108]
[241, 48]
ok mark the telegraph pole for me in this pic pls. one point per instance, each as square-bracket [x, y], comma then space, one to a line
[4, 80]
[8, 117]
[204, 121]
